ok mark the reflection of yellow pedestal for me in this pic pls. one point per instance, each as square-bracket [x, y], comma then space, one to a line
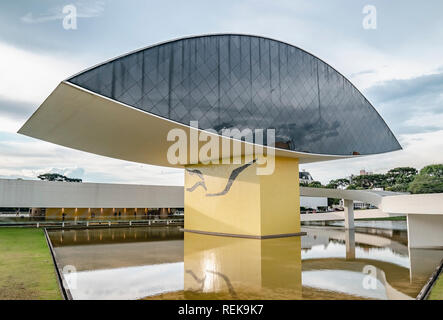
[234, 200]
[235, 268]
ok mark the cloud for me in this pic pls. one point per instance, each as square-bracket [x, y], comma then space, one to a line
[29, 77]
[71, 172]
[10, 124]
[334, 33]
[360, 73]
[402, 89]
[410, 105]
[84, 10]
[26, 158]
[15, 109]
[413, 109]
[395, 68]
[419, 150]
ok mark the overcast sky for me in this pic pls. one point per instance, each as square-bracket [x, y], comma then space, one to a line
[398, 66]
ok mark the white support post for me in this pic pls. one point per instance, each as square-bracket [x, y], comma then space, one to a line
[425, 231]
[349, 214]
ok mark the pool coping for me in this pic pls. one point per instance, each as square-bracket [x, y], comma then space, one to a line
[427, 288]
[247, 236]
[65, 292]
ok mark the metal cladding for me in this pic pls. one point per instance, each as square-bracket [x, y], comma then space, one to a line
[241, 81]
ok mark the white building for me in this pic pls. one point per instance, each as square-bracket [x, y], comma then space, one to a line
[305, 177]
[313, 202]
[310, 202]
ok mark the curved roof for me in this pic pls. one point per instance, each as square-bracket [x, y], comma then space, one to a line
[242, 81]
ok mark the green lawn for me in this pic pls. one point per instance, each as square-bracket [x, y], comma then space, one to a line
[26, 267]
[437, 290]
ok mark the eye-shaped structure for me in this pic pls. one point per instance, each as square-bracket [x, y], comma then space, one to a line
[222, 81]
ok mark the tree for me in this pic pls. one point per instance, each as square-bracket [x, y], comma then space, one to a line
[433, 170]
[369, 181]
[315, 184]
[57, 177]
[401, 175]
[429, 180]
[332, 201]
[398, 179]
[335, 184]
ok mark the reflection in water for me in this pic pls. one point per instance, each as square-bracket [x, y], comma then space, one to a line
[114, 235]
[333, 280]
[126, 283]
[378, 224]
[164, 263]
[124, 263]
[236, 268]
[350, 244]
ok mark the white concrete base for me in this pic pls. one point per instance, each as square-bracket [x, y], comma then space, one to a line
[425, 231]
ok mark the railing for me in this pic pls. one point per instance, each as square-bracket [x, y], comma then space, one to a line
[93, 223]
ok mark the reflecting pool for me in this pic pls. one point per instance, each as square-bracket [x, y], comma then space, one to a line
[165, 263]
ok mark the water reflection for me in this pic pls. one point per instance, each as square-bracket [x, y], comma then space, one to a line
[114, 235]
[332, 281]
[164, 263]
[378, 224]
[350, 244]
[126, 283]
[225, 268]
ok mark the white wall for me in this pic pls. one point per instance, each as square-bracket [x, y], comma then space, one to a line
[425, 231]
[45, 194]
[431, 203]
[313, 202]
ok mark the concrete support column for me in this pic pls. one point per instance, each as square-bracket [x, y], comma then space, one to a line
[425, 231]
[349, 214]
[236, 200]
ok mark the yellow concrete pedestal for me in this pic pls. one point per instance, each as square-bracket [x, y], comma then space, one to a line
[233, 200]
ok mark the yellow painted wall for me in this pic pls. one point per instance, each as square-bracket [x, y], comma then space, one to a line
[280, 198]
[236, 212]
[85, 213]
[69, 212]
[107, 212]
[82, 213]
[140, 212]
[54, 213]
[255, 204]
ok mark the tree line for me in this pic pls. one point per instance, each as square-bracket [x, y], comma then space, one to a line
[402, 179]
[57, 177]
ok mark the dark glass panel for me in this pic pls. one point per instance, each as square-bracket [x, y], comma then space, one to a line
[237, 81]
